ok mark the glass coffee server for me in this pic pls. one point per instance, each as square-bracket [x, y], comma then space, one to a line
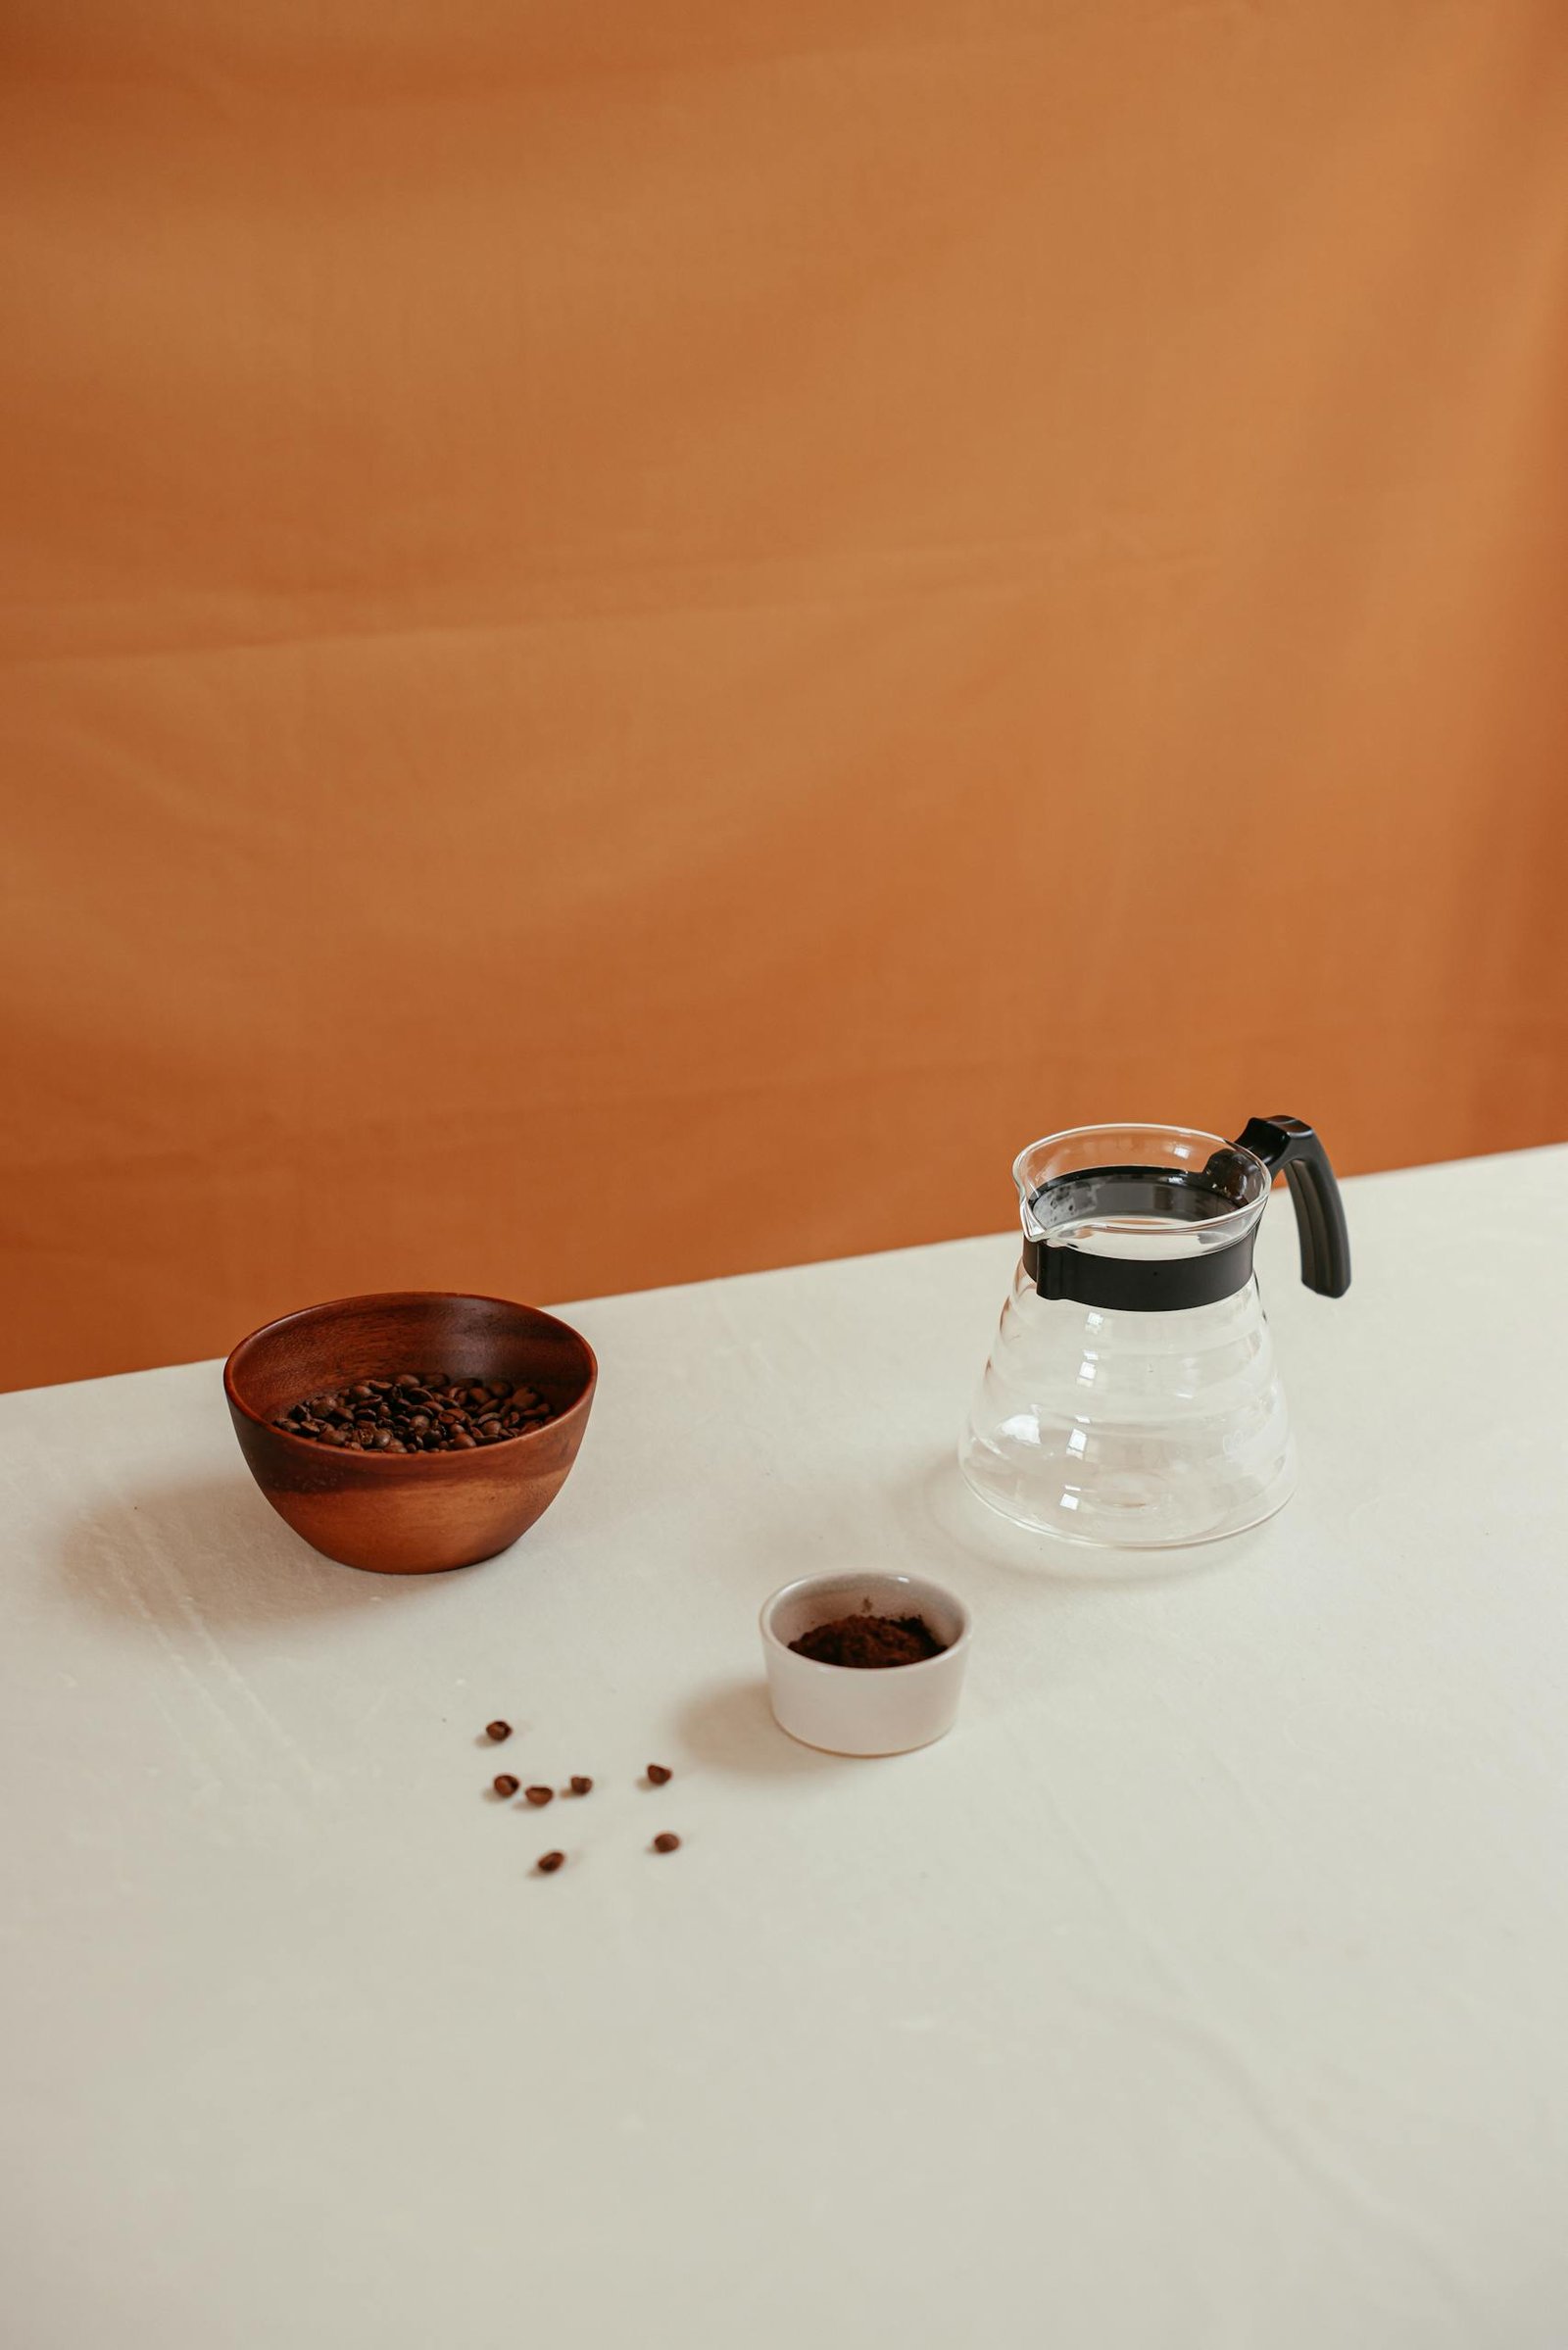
[1131, 1398]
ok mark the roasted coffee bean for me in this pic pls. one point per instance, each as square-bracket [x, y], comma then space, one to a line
[580, 1785]
[657, 1774]
[462, 1441]
[490, 1428]
[362, 1393]
[666, 1843]
[505, 1785]
[498, 1730]
[539, 1794]
[549, 1862]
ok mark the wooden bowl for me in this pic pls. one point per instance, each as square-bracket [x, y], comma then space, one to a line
[410, 1513]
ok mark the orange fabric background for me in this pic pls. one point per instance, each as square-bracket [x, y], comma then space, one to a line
[638, 640]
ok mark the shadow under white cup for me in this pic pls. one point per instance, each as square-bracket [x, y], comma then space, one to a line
[846, 1709]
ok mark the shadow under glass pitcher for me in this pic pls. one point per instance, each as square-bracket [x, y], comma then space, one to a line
[1131, 1398]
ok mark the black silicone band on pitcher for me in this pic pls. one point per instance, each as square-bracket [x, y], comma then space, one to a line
[1139, 1285]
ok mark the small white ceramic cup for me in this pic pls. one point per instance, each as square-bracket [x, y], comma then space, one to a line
[845, 1710]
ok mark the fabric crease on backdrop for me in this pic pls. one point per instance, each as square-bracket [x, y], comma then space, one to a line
[635, 645]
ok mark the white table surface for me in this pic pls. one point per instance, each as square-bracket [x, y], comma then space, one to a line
[1207, 1990]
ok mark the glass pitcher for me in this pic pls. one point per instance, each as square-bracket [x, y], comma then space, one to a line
[1131, 1396]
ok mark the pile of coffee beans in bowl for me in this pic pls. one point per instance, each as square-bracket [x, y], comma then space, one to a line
[419, 1411]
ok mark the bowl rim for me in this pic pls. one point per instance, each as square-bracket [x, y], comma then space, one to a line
[815, 1664]
[400, 1460]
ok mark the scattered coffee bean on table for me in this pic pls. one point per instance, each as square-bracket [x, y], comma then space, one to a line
[581, 1787]
[505, 1785]
[549, 1862]
[666, 1843]
[657, 1774]
[539, 1794]
[871, 1644]
[419, 1411]
[498, 1730]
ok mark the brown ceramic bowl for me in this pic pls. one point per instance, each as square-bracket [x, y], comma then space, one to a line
[410, 1513]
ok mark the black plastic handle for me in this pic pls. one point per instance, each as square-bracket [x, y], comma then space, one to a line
[1290, 1144]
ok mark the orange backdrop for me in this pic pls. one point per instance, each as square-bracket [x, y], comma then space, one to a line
[639, 639]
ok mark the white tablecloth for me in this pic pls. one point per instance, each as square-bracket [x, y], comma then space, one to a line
[1207, 1990]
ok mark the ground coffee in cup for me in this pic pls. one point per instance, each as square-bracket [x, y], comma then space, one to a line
[870, 1644]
